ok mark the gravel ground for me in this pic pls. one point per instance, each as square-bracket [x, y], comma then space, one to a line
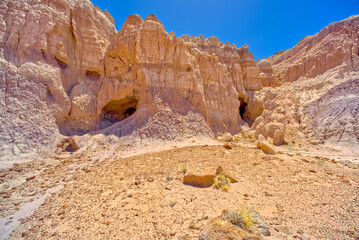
[143, 197]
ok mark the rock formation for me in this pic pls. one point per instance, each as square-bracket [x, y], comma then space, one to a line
[335, 45]
[323, 71]
[66, 70]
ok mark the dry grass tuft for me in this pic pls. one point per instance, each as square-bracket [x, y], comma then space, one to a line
[221, 181]
[247, 216]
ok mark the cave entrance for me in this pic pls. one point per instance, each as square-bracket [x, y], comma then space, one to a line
[118, 110]
[242, 108]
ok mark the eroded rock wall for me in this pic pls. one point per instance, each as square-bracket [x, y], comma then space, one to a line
[66, 70]
[46, 48]
[335, 45]
[321, 75]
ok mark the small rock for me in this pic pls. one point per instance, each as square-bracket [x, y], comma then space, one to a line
[283, 229]
[261, 129]
[32, 193]
[299, 231]
[280, 208]
[69, 144]
[194, 225]
[226, 174]
[227, 137]
[264, 145]
[150, 179]
[261, 223]
[278, 137]
[227, 145]
[315, 142]
[85, 169]
[268, 194]
[30, 178]
[61, 212]
[7, 195]
[169, 178]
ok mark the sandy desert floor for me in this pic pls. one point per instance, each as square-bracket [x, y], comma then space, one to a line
[301, 195]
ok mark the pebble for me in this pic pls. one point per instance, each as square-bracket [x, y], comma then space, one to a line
[268, 194]
[7, 195]
[283, 229]
[32, 193]
[227, 146]
[30, 178]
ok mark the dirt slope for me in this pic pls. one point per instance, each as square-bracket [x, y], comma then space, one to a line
[143, 197]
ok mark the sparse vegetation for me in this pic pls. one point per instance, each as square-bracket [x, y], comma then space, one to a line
[221, 181]
[243, 218]
[183, 170]
[321, 162]
[351, 165]
[247, 216]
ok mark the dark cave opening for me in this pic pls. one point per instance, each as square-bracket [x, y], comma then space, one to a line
[129, 111]
[242, 108]
[118, 110]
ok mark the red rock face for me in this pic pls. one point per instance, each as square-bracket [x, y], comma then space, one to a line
[335, 45]
[322, 98]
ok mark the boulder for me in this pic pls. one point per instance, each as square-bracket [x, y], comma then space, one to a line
[263, 144]
[261, 129]
[198, 180]
[273, 126]
[69, 144]
[220, 170]
[245, 223]
[278, 137]
[257, 122]
[221, 229]
[227, 137]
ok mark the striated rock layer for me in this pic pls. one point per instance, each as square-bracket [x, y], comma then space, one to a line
[321, 75]
[66, 70]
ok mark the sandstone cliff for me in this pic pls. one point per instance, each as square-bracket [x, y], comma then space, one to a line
[65, 70]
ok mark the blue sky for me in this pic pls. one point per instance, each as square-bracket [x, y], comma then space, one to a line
[267, 26]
